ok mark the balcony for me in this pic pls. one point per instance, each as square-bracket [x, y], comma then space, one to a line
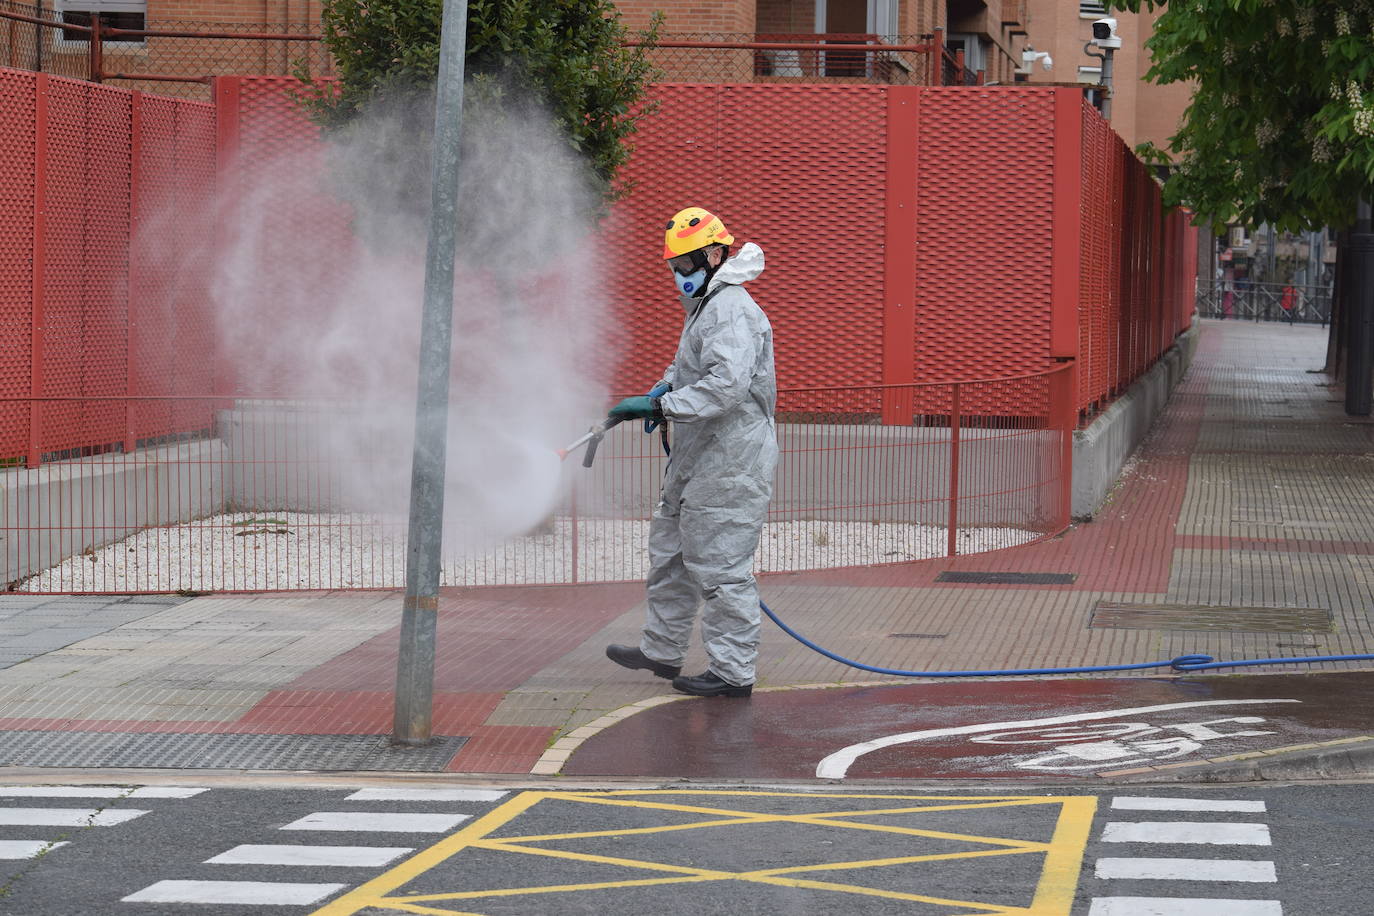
[773, 57]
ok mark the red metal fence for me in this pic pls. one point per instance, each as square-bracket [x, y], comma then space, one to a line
[917, 238]
[105, 196]
[913, 234]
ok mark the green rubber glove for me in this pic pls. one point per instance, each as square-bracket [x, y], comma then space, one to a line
[640, 407]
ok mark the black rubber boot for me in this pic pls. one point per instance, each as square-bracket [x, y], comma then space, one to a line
[631, 657]
[708, 685]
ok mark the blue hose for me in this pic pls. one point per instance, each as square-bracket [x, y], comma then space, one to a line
[1182, 663]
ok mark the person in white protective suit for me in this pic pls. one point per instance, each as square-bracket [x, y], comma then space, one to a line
[720, 394]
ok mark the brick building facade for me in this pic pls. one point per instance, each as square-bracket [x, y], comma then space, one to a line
[991, 34]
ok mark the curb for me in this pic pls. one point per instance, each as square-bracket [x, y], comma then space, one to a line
[1344, 758]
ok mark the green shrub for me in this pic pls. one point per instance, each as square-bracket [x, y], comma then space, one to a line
[568, 56]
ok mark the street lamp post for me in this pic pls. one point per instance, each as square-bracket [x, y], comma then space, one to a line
[413, 719]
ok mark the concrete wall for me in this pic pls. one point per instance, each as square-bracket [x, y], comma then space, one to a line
[66, 507]
[835, 472]
[854, 473]
[1101, 450]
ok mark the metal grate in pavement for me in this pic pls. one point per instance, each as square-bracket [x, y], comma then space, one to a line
[1006, 578]
[220, 751]
[1118, 615]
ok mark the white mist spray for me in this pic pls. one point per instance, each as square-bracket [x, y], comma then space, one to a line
[314, 310]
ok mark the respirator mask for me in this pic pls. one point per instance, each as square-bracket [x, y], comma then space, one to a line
[690, 273]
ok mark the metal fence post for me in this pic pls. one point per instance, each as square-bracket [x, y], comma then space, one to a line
[1063, 417]
[97, 50]
[132, 296]
[951, 545]
[899, 254]
[413, 719]
[937, 57]
[37, 322]
[576, 541]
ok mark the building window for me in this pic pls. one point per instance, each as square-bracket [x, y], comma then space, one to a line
[975, 58]
[1090, 10]
[119, 14]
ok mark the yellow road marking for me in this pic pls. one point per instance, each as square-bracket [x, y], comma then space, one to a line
[1053, 894]
[1064, 859]
[373, 891]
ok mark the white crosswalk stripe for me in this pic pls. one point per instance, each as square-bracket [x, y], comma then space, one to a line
[67, 817]
[1237, 805]
[1182, 906]
[98, 792]
[426, 795]
[310, 855]
[1152, 873]
[253, 893]
[1190, 832]
[1187, 869]
[273, 894]
[25, 849]
[386, 822]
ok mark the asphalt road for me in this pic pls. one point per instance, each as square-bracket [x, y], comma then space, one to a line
[688, 849]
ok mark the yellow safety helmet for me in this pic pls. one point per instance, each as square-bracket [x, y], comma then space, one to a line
[692, 229]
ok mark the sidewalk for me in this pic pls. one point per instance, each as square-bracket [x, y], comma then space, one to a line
[1254, 491]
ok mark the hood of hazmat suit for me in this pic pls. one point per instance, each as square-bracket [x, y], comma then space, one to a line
[723, 389]
[719, 479]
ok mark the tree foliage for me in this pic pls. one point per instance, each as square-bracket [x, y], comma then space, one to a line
[1281, 126]
[568, 55]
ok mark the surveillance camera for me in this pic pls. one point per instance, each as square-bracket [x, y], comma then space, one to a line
[1104, 34]
[1029, 56]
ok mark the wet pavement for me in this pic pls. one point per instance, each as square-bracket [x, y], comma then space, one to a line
[980, 729]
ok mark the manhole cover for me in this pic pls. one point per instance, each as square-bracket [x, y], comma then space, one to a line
[220, 751]
[1007, 578]
[1117, 615]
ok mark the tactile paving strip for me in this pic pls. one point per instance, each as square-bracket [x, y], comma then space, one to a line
[220, 751]
[1109, 614]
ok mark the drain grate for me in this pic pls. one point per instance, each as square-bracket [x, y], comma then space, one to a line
[220, 751]
[1007, 578]
[1117, 615]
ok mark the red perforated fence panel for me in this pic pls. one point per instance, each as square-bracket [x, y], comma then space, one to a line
[927, 229]
[984, 234]
[18, 173]
[285, 239]
[800, 172]
[101, 296]
[171, 315]
[1137, 268]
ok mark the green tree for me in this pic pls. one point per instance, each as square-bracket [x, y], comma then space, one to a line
[1281, 125]
[569, 56]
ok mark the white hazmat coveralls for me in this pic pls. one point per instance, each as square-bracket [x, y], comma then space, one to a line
[719, 478]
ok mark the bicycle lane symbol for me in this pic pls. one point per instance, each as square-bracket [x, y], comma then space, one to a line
[1074, 747]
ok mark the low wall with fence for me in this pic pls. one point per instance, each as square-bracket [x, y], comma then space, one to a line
[266, 499]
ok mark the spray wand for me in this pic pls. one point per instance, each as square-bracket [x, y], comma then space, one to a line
[591, 438]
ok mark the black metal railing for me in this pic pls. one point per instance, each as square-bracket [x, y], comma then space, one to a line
[1246, 301]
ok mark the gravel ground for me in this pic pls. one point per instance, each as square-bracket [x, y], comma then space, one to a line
[289, 550]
